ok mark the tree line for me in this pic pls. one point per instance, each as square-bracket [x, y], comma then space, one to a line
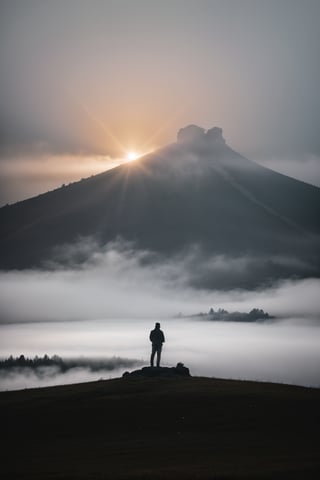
[94, 364]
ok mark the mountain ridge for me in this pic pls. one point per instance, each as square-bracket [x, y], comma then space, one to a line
[197, 191]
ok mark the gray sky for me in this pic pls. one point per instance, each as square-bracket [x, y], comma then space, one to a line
[84, 82]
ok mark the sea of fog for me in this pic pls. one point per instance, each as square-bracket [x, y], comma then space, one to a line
[279, 351]
[107, 308]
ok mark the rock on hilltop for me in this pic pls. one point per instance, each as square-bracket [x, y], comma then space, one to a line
[180, 370]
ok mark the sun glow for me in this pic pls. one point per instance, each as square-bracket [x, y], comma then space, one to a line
[132, 156]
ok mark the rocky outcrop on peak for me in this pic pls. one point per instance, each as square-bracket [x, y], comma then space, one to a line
[214, 135]
[192, 134]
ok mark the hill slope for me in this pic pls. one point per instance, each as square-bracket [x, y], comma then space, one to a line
[197, 191]
[173, 428]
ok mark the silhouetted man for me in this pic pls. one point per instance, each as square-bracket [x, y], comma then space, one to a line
[157, 339]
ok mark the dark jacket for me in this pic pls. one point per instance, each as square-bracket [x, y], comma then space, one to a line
[157, 337]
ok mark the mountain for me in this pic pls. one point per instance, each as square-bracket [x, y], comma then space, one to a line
[170, 428]
[197, 191]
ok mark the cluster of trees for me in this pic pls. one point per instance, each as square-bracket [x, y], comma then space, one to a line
[35, 362]
[256, 314]
[63, 365]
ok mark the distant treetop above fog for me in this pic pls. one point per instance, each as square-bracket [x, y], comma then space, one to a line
[222, 315]
[195, 134]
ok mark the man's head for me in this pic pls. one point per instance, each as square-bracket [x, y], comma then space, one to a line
[157, 325]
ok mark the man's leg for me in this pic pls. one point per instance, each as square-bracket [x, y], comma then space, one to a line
[153, 352]
[159, 348]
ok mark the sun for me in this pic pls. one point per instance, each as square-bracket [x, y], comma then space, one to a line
[132, 156]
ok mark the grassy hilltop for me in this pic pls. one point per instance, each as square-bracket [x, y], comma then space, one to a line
[161, 428]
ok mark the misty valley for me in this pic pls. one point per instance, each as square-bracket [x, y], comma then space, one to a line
[284, 351]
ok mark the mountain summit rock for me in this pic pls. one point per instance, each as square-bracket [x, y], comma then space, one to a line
[191, 133]
[194, 134]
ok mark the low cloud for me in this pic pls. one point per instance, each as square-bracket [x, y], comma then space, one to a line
[117, 281]
[18, 379]
[32, 373]
[286, 351]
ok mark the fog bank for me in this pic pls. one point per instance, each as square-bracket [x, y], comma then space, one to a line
[107, 306]
[286, 351]
[120, 282]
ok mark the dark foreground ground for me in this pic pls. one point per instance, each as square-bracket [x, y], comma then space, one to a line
[161, 428]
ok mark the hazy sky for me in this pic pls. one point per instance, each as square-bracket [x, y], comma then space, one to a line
[84, 82]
